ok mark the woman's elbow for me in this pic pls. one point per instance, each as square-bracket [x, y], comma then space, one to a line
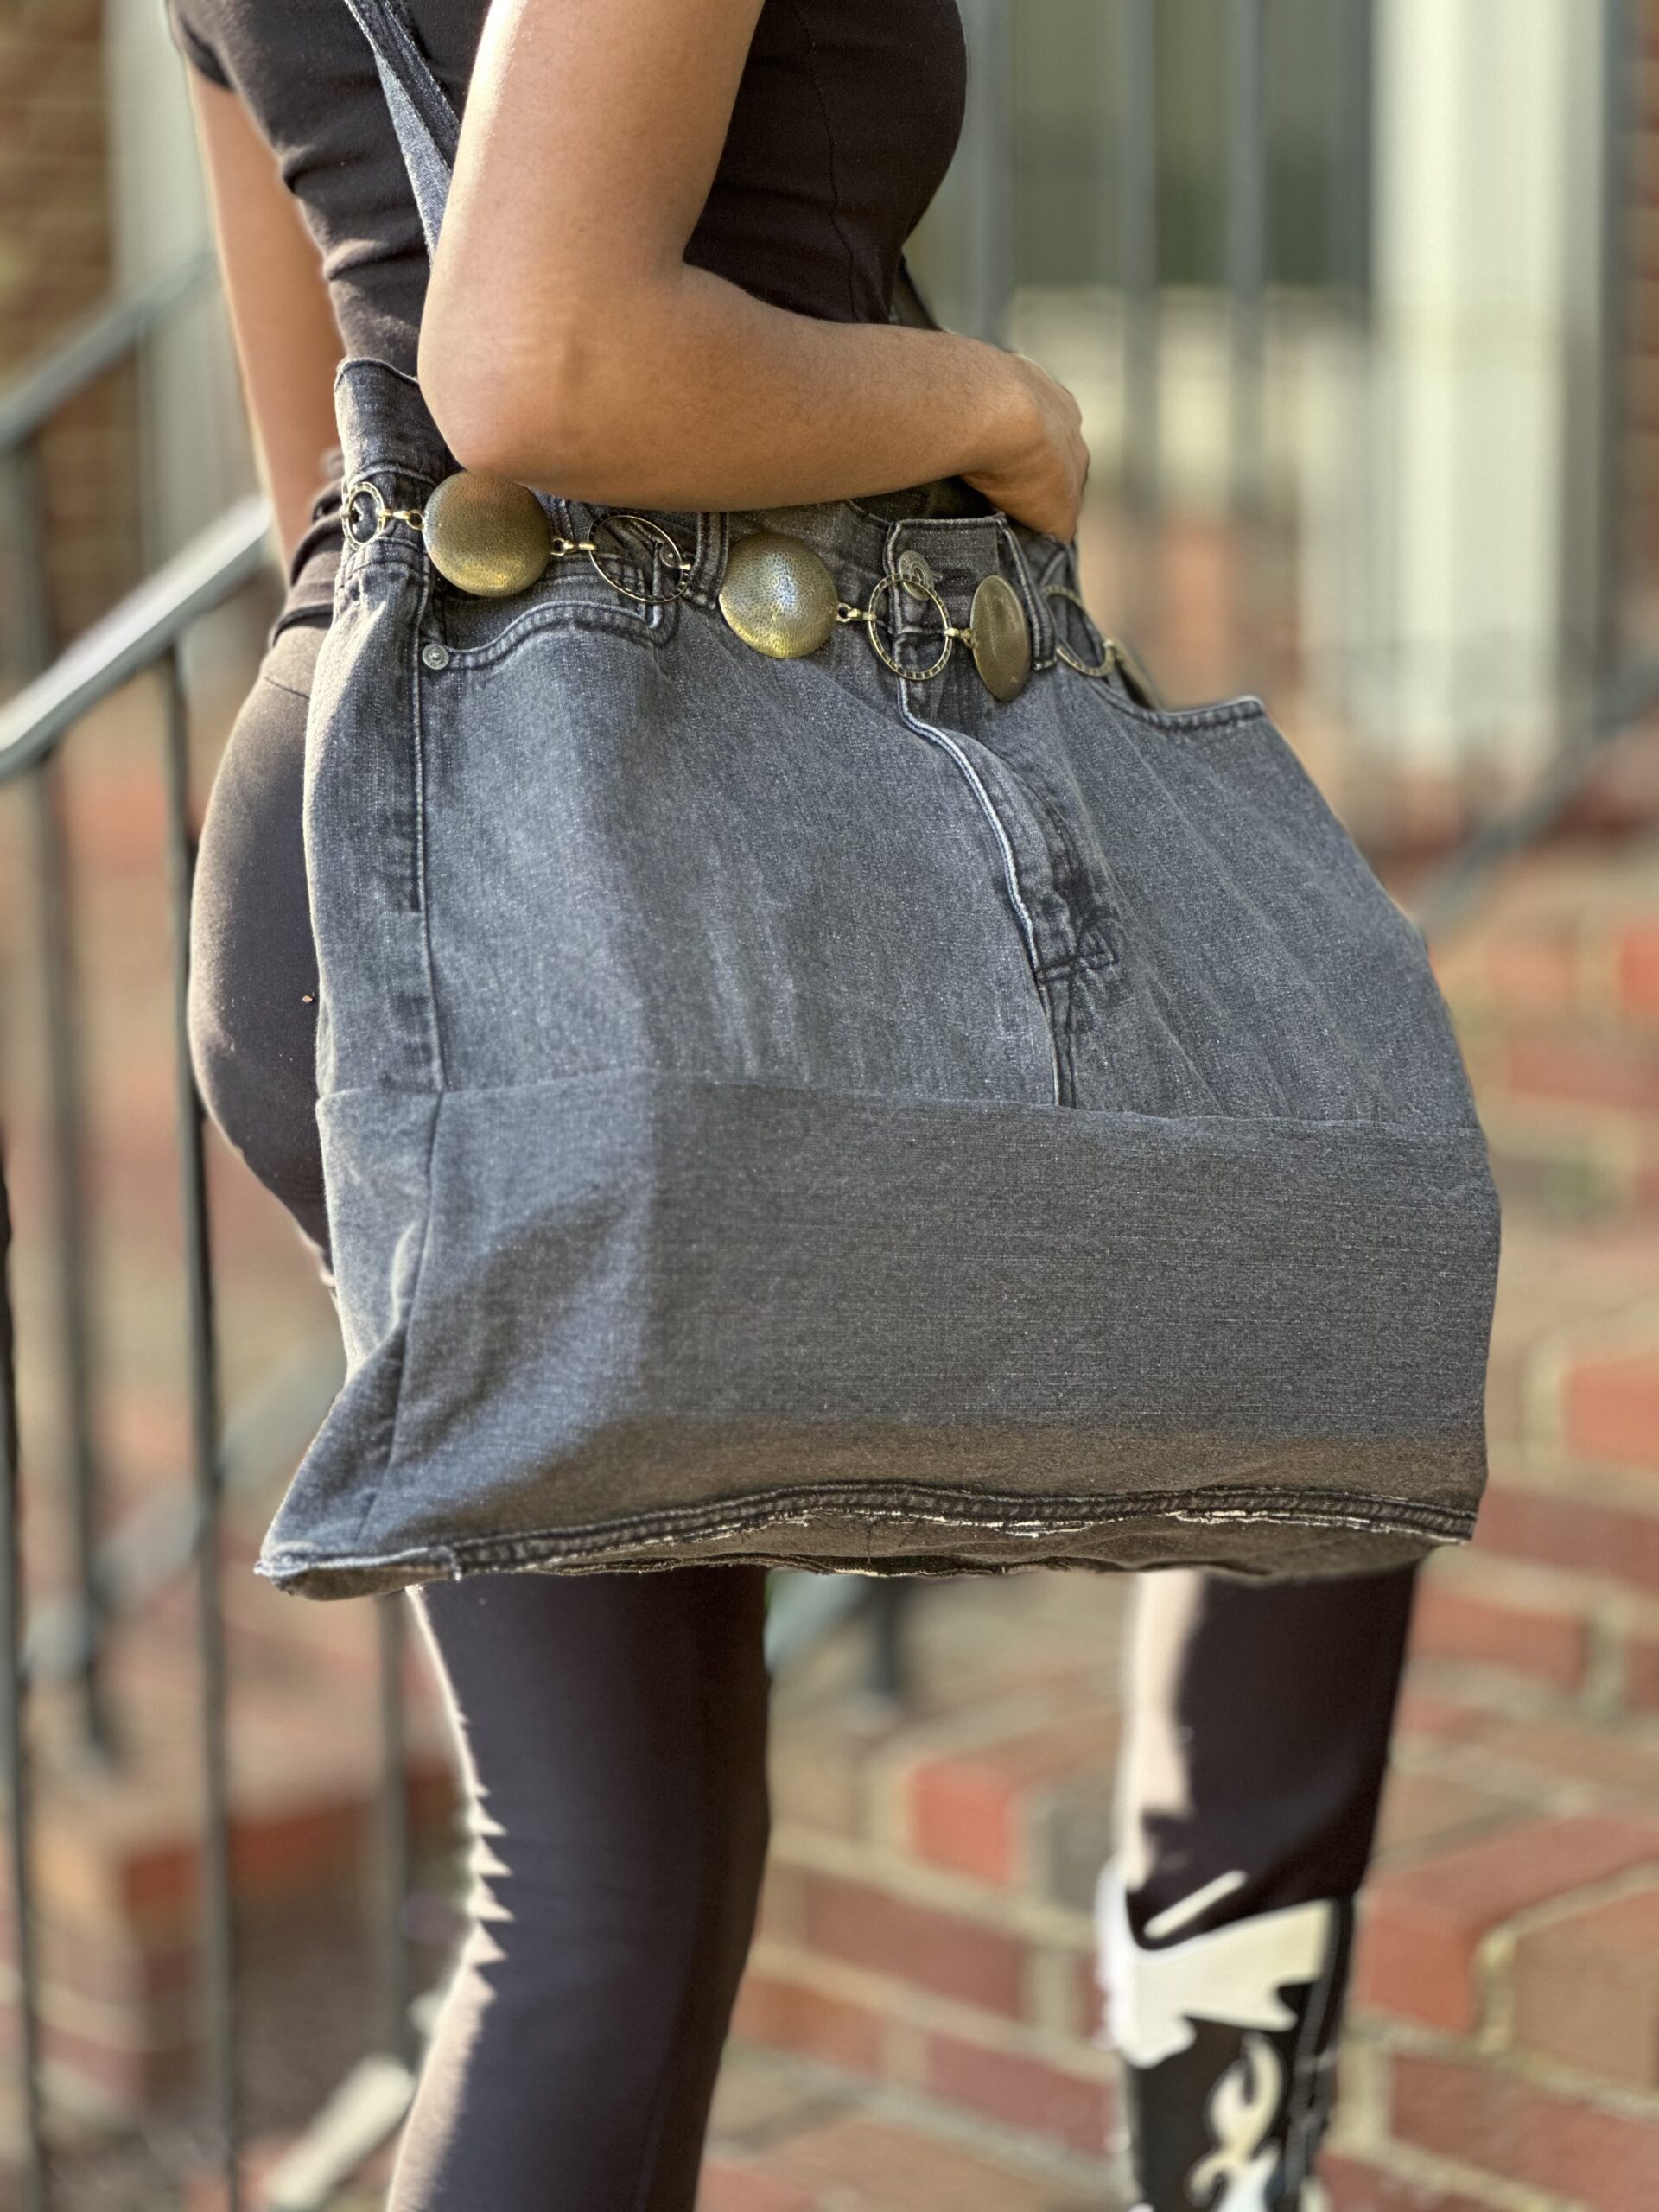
[510, 407]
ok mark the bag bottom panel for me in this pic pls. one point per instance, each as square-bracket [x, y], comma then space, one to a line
[634, 1318]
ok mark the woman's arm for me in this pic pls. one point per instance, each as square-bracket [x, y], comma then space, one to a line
[567, 343]
[286, 337]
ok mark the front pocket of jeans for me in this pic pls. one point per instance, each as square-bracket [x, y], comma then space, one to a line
[477, 633]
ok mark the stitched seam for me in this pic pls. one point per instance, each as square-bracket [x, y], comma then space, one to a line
[1010, 865]
[1462, 1135]
[1072, 965]
[1222, 715]
[421, 903]
[594, 617]
[1361, 1511]
[834, 170]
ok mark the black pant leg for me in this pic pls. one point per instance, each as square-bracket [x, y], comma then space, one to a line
[613, 1729]
[1258, 1738]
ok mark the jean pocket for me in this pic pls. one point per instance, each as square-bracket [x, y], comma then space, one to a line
[477, 632]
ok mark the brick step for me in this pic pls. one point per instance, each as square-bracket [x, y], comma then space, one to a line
[119, 1850]
[1576, 1325]
[1571, 1122]
[1513, 975]
[1555, 988]
[1569, 936]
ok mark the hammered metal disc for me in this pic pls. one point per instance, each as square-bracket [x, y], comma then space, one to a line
[1001, 637]
[485, 534]
[777, 595]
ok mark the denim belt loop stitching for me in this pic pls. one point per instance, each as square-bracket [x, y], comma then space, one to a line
[1038, 613]
[400, 487]
[708, 558]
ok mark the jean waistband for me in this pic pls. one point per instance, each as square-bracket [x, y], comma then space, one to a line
[388, 436]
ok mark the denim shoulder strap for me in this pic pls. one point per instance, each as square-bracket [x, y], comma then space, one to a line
[428, 127]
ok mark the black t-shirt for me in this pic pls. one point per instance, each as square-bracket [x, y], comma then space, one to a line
[845, 122]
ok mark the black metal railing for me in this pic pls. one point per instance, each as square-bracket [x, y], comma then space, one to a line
[143, 635]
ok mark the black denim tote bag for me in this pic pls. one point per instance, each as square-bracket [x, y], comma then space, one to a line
[906, 1105]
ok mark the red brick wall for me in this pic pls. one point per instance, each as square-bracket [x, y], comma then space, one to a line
[54, 267]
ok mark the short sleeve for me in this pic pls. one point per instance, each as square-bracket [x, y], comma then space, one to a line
[193, 46]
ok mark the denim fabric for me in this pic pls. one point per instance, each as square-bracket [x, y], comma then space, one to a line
[782, 1111]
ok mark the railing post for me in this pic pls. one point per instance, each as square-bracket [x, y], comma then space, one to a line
[988, 134]
[29, 642]
[219, 1989]
[35, 2174]
[1138, 265]
[58, 984]
[28, 638]
[1246, 281]
[1618, 179]
[396, 1852]
[888, 1605]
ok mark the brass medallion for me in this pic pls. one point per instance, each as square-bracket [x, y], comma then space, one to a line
[486, 535]
[1001, 639]
[777, 595]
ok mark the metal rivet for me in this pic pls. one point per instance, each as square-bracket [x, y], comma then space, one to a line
[435, 656]
[915, 575]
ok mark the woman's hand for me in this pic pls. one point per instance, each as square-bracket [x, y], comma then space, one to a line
[1038, 471]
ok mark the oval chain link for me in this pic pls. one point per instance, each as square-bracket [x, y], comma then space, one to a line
[870, 616]
[1103, 667]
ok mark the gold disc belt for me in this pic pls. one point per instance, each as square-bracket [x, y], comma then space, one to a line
[491, 537]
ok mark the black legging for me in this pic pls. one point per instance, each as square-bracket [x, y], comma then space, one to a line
[614, 1726]
[613, 1729]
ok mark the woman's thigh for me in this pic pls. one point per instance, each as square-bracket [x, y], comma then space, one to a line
[253, 968]
[613, 1728]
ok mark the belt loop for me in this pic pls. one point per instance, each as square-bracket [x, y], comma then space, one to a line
[1038, 612]
[708, 561]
